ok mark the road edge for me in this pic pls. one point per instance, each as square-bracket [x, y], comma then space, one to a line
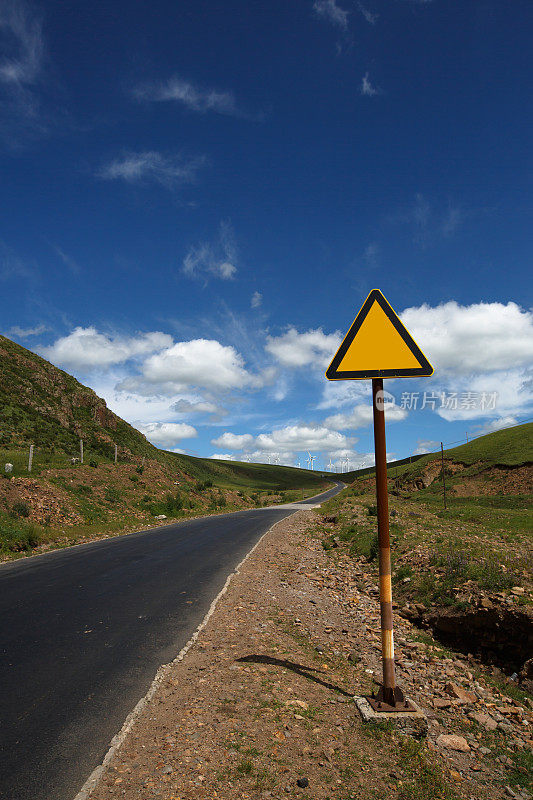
[116, 742]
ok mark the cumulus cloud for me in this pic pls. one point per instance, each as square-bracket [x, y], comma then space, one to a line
[85, 348]
[167, 434]
[330, 11]
[177, 89]
[484, 337]
[497, 425]
[296, 438]
[361, 416]
[216, 258]
[184, 406]
[293, 349]
[257, 299]
[152, 167]
[426, 446]
[233, 441]
[201, 363]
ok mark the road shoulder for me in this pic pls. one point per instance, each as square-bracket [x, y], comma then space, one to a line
[263, 700]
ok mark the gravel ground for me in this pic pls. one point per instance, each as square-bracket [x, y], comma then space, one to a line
[262, 704]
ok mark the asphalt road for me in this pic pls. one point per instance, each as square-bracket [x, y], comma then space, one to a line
[84, 630]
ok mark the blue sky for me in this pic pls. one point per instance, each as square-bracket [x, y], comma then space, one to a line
[198, 197]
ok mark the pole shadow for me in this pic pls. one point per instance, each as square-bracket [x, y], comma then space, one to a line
[299, 669]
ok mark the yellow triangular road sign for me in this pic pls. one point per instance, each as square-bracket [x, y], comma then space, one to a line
[378, 345]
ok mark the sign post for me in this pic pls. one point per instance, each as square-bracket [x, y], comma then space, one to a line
[379, 346]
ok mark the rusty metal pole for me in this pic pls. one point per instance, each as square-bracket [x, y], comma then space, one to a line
[443, 475]
[390, 694]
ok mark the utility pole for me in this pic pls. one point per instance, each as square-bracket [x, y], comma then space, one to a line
[30, 459]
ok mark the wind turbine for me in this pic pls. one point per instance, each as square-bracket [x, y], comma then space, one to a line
[330, 465]
[298, 464]
[311, 460]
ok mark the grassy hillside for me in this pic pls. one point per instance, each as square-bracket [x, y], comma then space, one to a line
[44, 406]
[510, 447]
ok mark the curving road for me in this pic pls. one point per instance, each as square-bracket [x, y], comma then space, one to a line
[84, 630]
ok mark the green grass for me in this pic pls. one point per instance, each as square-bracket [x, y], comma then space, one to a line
[507, 448]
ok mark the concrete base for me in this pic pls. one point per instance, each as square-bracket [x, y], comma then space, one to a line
[413, 723]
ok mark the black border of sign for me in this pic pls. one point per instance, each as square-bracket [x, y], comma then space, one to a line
[425, 369]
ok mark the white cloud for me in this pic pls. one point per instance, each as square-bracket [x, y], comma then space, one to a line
[368, 15]
[223, 457]
[67, 260]
[295, 438]
[167, 434]
[179, 90]
[361, 416]
[85, 348]
[22, 43]
[426, 446]
[22, 333]
[428, 222]
[185, 406]
[329, 10]
[367, 88]
[257, 299]
[233, 441]
[293, 349]
[197, 363]
[480, 338]
[218, 258]
[151, 166]
[497, 425]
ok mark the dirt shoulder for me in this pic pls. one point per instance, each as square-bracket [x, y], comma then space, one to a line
[264, 698]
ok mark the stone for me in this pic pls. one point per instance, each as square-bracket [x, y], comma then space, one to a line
[485, 720]
[460, 694]
[453, 742]
[441, 702]
[354, 658]
[303, 783]
[518, 590]
[298, 703]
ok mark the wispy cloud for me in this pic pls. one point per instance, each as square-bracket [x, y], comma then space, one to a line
[14, 267]
[23, 333]
[257, 299]
[330, 11]
[153, 167]
[21, 64]
[67, 260]
[218, 258]
[368, 15]
[21, 45]
[367, 88]
[429, 222]
[193, 97]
